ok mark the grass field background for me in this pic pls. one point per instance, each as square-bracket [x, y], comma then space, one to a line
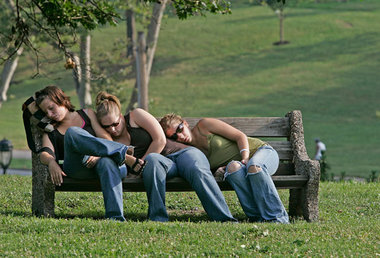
[227, 66]
[348, 226]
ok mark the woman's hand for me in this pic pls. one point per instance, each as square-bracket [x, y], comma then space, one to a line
[56, 173]
[91, 161]
[244, 161]
[219, 173]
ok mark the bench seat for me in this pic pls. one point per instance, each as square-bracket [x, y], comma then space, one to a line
[176, 184]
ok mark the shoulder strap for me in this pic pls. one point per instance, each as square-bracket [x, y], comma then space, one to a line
[84, 116]
[127, 117]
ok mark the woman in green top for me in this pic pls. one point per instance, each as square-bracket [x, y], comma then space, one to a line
[247, 163]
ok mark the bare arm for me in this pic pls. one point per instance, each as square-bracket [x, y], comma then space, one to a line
[99, 131]
[55, 170]
[216, 126]
[143, 119]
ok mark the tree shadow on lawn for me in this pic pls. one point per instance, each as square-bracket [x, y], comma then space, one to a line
[289, 13]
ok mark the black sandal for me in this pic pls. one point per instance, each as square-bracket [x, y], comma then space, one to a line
[140, 171]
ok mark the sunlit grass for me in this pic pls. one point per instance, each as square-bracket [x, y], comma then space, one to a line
[349, 225]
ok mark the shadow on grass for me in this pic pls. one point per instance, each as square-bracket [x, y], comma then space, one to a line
[245, 64]
[186, 216]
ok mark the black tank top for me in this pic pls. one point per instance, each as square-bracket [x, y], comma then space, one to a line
[140, 138]
[58, 140]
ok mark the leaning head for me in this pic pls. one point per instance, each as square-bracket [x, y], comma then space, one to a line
[54, 102]
[108, 113]
[169, 120]
[176, 128]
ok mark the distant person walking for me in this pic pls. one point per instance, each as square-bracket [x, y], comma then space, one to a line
[320, 149]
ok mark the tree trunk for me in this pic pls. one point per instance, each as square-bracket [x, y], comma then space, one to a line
[77, 73]
[131, 35]
[85, 86]
[151, 43]
[153, 32]
[141, 72]
[131, 42]
[281, 17]
[7, 75]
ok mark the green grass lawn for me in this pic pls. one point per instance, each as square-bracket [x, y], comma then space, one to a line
[349, 226]
[227, 66]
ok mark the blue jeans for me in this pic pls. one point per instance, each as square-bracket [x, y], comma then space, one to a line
[256, 191]
[109, 168]
[192, 165]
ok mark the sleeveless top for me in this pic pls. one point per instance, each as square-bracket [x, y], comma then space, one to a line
[140, 138]
[222, 150]
[58, 139]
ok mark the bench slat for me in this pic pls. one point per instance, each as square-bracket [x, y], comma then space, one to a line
[283, 148]
[254, 126]
[176, 184]
[285, 169]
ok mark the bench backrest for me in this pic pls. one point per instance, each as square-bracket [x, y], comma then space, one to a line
[273, 130]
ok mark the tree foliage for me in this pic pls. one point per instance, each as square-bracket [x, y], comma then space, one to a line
[273, 4]
[54, 18]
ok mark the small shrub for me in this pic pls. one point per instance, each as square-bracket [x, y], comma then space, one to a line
[324, 167]
[342, 175]
[373, 177]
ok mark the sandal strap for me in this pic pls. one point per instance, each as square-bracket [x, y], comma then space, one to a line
[139, 172]
[135, 164]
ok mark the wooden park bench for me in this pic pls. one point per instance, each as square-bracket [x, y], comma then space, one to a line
[296, 172]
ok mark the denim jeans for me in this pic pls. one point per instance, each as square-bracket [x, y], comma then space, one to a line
[256, 191]
[192, 165]
[109, 168]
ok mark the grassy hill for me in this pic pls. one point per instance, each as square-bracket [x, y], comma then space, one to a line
[228, 66]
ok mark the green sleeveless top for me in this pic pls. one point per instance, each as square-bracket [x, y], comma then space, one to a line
[221, 150]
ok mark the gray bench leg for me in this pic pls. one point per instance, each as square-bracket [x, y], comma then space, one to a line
[304, 202]
[295, 203]
[310, 200]
[43, 191]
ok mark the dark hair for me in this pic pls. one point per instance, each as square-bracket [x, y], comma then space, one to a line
[56, 95]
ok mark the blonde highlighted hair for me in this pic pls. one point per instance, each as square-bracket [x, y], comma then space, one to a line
[107, 103]
[168, 120]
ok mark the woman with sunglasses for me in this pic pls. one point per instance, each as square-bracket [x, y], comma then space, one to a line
[142, 130]
[246, 163]
[72, 149]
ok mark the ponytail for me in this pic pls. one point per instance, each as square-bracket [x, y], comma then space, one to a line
[106, 103]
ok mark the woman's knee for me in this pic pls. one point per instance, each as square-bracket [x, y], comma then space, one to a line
[254, 169]
[153, 158]
[233, 166]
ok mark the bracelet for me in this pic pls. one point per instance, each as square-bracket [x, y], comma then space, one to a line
[243, 150]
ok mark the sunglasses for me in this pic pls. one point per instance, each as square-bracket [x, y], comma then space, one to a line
[112, 125]
[177, 131]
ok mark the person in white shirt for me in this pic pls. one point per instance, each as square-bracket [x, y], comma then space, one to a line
[320, 149]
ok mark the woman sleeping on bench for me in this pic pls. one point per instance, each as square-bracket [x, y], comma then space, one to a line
[142, 130]
[247, 163]
[72, 138]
